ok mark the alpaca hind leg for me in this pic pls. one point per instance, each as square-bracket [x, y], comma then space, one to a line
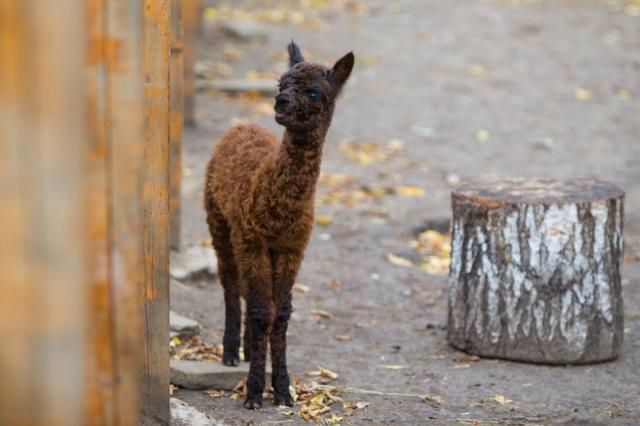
[246, 342]
[228, 273]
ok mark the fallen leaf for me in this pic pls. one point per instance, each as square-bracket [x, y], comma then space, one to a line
[343, 337]
[393, 367]
[175, 341]
[501, 399]
[214, 393]
[172, 388]
[322, 313]
[335, 284]
[582, 94]
[623, 95]
[314, 373]
[477, 70]
[324, 220]
[399, 260]
[328, 373]
[482, 135]
[362, 404]
[302, 288]
[433, 399]
[410, 191]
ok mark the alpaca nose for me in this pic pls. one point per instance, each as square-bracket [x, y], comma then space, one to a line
[282, 100]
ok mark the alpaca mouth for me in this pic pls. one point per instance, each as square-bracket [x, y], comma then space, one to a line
[280, 117]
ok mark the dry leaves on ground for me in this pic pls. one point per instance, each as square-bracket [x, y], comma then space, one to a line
[369, 152]
[195, 349]
[435, 248]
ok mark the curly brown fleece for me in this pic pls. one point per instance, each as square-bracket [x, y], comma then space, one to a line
[259, 195]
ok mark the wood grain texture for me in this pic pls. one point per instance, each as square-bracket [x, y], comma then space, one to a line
[191, 17]
[155, 293]
[535, 271]
[42, 292]
[176, 110]
[114, 176]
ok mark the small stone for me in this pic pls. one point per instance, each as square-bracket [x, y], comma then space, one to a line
[245, 30]
[183, 325]
[266, 87]
[208, 375]
[182, 414]
[193, 262]
[453, 179]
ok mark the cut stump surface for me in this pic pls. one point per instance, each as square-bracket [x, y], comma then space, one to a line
[535, 270]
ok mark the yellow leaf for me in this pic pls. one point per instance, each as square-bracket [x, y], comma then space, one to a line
[501, 399]
[482, 135]
[211, 13]
[314, 373]
[362, 404]
[632, 10]
[327, 373]
[624, 95]
[322, 313]
[214, 393]
[175, 341]
[393, 367]
[302, 288]
[343, 337]
[411, 191]
[582, 94]
[324, 220]
[477, 70]
[399, 260]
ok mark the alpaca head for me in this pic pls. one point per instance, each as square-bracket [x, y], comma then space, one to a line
[308, 92]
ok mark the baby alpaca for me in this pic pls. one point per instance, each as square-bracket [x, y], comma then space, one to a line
[259, 196]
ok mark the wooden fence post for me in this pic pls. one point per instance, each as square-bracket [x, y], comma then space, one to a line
[191, 16]
[42, 146]
[155, 293]
[114, 188]
[176, 108]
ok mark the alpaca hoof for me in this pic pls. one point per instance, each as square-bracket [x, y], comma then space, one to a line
[283, 399]
[230, 360]
[254, 403]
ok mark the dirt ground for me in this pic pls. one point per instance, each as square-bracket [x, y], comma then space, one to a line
[472, 89]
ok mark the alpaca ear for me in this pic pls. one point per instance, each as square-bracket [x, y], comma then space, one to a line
[341, 71]
[295, 55]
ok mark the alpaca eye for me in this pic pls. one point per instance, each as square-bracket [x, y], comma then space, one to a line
[313, 96]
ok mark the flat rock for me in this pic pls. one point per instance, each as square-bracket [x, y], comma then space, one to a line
[183, 325]
[183, 414]
[245, 30]
[208, 375]
[193, 262]
[267, 87]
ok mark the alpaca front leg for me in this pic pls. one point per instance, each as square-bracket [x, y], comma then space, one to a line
[286, 264]
[257, 276]
[279, 372]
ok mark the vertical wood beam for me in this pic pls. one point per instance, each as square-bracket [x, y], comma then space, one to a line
[114, 189]
[155, 293]
[191, 16]
[176, 109]
[42, 147]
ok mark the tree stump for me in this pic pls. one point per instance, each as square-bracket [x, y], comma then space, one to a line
[535, 270]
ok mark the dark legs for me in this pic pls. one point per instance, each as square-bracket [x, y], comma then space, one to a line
[285, 267]
[228, 272]
[255, 271]
[246, 342]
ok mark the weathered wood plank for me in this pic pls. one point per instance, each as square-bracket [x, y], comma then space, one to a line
[99, 367]
[176, 108]
[42, 292]
[191, 17]
[155, 293]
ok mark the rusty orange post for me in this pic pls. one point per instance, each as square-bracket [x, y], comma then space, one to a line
[114, 232]
[155, 292]
[176, 109]
[191, 17]
[42, 247]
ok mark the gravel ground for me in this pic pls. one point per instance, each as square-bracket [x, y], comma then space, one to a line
[473, 89]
